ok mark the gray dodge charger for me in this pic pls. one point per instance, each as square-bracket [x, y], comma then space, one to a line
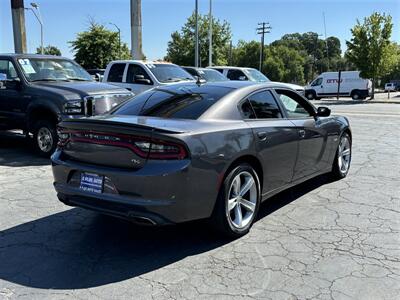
[198, 151]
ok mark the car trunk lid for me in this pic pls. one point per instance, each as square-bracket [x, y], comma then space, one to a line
[116, 141]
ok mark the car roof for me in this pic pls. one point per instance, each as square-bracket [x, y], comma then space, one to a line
[31, 55]
[230, 67]
[231, 84]
[141, 62]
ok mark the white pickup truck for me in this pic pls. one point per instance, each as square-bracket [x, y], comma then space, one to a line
[138, 75]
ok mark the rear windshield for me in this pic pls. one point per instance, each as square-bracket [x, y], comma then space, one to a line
[185, 103]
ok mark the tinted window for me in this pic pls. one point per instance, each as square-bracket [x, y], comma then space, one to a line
[295, 106]
[7, 67]
[134, 70]
[219, 70]
[264, 105]
[183, 103]
[116, 73]
[236, 75]
[247, 110]
[191, 71]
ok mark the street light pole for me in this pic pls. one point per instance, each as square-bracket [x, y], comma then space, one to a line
[119, 39]
[196, 48]
[210, 36]
[38, 16]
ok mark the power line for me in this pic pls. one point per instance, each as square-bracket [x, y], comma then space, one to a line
[263, 28]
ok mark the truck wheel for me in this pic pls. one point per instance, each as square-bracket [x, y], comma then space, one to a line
[45, 138]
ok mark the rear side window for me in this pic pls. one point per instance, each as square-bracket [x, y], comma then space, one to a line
[236, 75]
[116, 73]
[263, 105]
[189, 103]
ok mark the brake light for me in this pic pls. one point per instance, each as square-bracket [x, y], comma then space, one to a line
[158, 149]
[141, 146]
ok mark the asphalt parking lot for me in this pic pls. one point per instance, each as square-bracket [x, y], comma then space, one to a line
[320, 240]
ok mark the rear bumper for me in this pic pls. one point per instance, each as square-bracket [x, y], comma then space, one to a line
[162, 192]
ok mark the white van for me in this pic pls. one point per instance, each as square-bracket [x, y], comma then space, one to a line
[351, 85]
[139, 76]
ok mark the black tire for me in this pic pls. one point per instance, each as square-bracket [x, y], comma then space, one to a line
[310, 95]
[220, 220]
[337, 173]
[47, 127]
[355, 95]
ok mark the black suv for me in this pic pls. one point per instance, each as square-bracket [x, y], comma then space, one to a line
[38, 91]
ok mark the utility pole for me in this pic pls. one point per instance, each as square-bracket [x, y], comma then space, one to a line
[18, 19]
[136, 29]
[119, 39]
[263, 28]
[210, 35]
[196, 48]
[230, 53]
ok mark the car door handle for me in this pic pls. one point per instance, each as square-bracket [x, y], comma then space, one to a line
[302, 133]
[262, 136]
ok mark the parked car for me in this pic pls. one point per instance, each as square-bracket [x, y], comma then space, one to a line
[139, 76]
[390, 86]
[250, 74]
[97, 74]
[351, 85]
[197, 151]
[38, 91]
[208, 75]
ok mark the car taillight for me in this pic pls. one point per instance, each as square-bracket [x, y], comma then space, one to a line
[141, 146]
[157, 149]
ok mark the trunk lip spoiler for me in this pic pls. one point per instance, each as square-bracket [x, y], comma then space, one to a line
[77, 124]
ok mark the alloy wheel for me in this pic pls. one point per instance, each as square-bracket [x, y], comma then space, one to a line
[242, 200]
[44, 139]
[344, 154]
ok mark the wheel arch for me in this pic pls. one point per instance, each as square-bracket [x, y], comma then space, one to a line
[41, 112]
[253, 161]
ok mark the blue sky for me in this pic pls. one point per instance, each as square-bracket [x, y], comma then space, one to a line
[64, 18]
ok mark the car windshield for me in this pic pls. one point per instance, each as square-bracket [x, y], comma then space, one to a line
[212, 75]
[50, 69]
[185, 103]
[169, 73]
[256, 75]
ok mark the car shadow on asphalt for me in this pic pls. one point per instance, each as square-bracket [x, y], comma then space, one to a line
[17, 151]
[77, 249]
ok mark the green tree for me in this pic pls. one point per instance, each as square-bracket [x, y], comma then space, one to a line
[97, 46]
[247, 54]
[49, 50]
[369, 49]
[182, 44]
[393, 63]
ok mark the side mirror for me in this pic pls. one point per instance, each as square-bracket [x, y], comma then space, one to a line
[3, 77]
[242, 78]
[323, 111]
[141, 80]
